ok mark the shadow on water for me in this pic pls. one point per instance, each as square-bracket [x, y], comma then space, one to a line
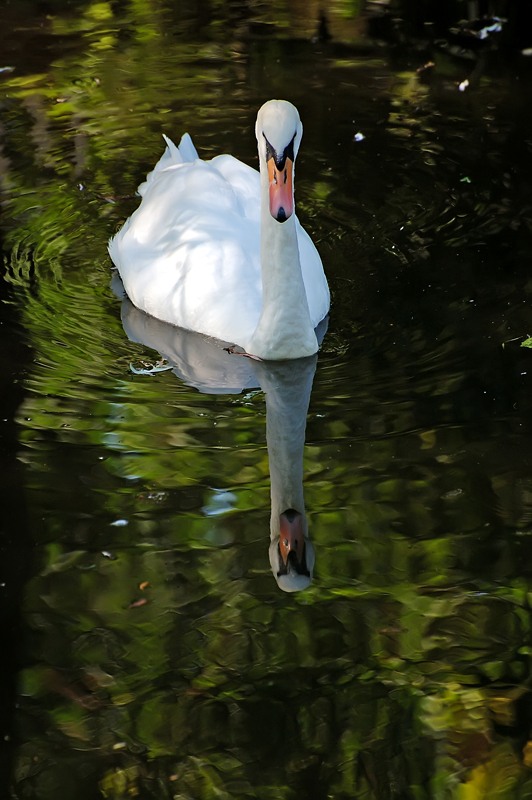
[15, 538]
[148, 651]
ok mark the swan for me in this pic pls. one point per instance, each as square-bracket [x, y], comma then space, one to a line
[215, 247]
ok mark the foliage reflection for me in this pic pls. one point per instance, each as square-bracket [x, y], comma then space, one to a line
[156, 657]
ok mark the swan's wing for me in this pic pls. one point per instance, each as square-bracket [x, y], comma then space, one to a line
[245, 183]
[190, 253]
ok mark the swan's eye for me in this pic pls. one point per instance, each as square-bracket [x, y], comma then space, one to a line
[270, 152]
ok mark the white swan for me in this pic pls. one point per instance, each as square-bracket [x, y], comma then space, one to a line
[216, 249]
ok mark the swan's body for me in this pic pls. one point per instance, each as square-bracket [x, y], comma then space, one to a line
[212, 247]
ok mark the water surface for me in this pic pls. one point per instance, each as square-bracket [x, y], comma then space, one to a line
[149, 651]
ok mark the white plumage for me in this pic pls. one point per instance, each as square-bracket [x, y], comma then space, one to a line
[191, 253]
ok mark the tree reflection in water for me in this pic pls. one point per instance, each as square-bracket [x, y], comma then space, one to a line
[154, 654]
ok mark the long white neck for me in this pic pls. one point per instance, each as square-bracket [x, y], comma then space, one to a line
[284, 329]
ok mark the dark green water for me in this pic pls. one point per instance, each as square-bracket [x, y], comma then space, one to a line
[148, 651]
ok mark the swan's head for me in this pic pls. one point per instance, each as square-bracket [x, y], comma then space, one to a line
[279, 131]
[291, 553]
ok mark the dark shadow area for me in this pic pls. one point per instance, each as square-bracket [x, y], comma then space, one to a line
[15, 540]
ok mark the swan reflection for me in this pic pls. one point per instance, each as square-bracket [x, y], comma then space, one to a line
[203, 364]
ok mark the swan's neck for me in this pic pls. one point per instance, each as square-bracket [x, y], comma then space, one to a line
[284, 329]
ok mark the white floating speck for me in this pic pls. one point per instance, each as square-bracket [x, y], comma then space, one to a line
[120, 523]
[359, 137]
[463, 86]
[220, 502]
[495, 27]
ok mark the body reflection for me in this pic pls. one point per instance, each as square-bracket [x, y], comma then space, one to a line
[204, 364]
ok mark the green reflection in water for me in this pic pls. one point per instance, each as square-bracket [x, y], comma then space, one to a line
[160, 660]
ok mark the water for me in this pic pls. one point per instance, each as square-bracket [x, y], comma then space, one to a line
[148, 650]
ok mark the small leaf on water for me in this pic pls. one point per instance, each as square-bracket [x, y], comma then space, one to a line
[138, 603]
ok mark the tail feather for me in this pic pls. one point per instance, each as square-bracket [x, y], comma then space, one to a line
[178, 155]
[187, 149]
[171, 157]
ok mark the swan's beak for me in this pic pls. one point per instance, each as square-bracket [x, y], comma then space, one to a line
[281, 189]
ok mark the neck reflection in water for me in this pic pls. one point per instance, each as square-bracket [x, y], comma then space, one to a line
[287, 387]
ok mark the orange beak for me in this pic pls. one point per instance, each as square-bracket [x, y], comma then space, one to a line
[281, 189]
[291, 536]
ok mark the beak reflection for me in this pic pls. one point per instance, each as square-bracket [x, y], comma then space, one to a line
[292, 542]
